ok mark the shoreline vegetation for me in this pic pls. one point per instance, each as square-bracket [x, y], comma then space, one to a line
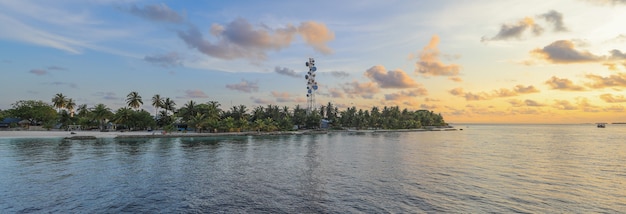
[88, 135]
[209, 119]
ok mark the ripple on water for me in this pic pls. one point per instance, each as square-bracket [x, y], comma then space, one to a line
[502, 169]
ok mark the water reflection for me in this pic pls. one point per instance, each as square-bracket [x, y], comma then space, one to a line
[311, 183]
[476, 170]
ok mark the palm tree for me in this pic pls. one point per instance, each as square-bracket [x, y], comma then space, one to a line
[168, 104]
[123, 116]
[157, 101]
[134, 100]
[188, 111]
[59, 101]
[100, 113]
[70, 105]
[82, 110]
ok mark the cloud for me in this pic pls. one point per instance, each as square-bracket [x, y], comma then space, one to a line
[157, 12]
[57, 83]
[240, 39]
[527, 102]
[583, 103]
[509, 31]
[563, 51]
[459, 92]
[618, 39]
[317, 35]
[390, 79]
[244, 86]
[614, 80]
[58, 68]
[429, 63]
[107, 95]
[503, 92]
[340, 74]
[195, 94]
[564, 105]
[260, 101]
[617, 55]
[286, 72]
[171, 59]
[406, 95]
[611, 66]
[533, 103]
[608, 2]
[335, 93]
[429, 107]
[282, 97]
[364, 90]
[614, 108]
[609, 98]
[455, 79]
[38, 72]
[516, 30]
[525, 89]
[556, 19]
[25, 33]
[563, 84]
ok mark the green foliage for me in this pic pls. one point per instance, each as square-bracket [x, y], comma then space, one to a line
[127, 118]
[35, 111]
[210, 117]
[134, 100]
[3, 114]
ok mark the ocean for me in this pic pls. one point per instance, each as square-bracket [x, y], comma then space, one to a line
[480, 169]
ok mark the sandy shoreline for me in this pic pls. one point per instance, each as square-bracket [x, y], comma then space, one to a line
[159, 134]
[134, 134]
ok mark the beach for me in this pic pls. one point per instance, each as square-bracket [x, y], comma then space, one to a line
[63, 134]
[126, 134]
[160, 134]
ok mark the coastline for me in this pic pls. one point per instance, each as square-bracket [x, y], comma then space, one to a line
[158, 134]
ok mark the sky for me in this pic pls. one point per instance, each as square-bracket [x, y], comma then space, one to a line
[478, 61]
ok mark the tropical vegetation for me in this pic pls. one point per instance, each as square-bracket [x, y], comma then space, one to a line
[211, 117]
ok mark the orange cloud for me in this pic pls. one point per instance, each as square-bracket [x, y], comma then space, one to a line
[390, 79]
[429, 63]
[455, 79]
[317, 35]
[584, 104]
[468, 96]
[404, 95]
[240, 39]
[615, 80]
[609, 98]
[563, 105]
[563, 51]
[563, 84]
[282, 96]
[614, 108]
[527, 102]
[364, 90]
[503, 92]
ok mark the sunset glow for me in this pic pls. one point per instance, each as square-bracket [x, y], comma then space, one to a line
[473, 61]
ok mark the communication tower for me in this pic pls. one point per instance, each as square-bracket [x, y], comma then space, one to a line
[311, 85]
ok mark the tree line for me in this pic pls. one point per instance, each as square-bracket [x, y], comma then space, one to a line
[210, 117]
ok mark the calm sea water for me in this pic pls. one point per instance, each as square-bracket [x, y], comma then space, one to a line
[484, 168]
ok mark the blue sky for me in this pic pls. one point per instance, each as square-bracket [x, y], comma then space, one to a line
[473, 61]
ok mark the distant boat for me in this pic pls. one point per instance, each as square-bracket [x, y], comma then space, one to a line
[601, 125]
